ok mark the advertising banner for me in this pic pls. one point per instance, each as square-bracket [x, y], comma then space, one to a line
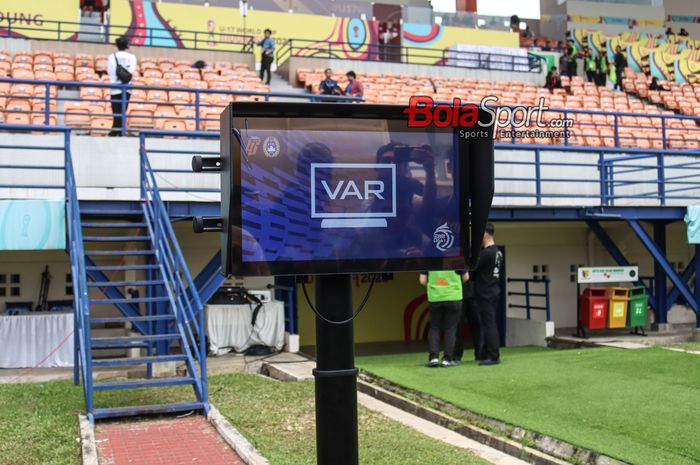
[32, 224]
[38, 19]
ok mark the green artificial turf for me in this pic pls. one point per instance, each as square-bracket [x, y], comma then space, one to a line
[38, 423]
[695, 346]
[640, 406]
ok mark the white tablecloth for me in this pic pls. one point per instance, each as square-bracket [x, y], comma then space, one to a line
[25, 340]
[229, 328]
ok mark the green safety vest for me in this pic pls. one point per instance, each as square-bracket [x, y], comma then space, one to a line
[590, 63]
[604, 66]
[444, 286]
[612, 73]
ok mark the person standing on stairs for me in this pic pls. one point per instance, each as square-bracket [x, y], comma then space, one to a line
[267, 57]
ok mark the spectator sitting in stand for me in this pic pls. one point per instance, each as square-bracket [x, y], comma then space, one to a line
[654, 85]
[329, 86]
[355, 87]
[553, 81]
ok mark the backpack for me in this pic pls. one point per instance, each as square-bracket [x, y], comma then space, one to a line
[123, 75]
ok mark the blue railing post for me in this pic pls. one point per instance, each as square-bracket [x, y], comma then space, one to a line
[566, 133]
[195, 40]
[196, 110]
[58, 31]
[661, 175]
[616, 130]
[602, 169]
[663, 133]
[47, 108]
[538, 179]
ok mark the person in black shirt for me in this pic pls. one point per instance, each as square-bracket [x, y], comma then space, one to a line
[329, 86]
[486, 277]
[620, 64]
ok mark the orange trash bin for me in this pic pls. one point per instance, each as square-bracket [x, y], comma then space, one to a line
[617, 308]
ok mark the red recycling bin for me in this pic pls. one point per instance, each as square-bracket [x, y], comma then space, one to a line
[593, 305]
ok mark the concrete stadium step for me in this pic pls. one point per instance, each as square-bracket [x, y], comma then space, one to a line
[113, 362]
[137, 300]
[129, 341]
[143, 383]
[114, 412]
[121, 267]
[145, 282]
[129, 319]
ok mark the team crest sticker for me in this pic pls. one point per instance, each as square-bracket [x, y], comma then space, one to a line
[271, 147]
[443, 238]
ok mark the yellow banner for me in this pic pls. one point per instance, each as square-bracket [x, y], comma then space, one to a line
[196, 26]
[39, 19]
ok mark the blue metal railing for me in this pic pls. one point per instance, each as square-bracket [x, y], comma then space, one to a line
[597, 175]
[533, 289]
[306, 48]
[181, 291]
[138, 35]
[204, 113]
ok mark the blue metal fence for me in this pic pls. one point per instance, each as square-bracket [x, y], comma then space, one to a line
[202, 109]
[532, 290]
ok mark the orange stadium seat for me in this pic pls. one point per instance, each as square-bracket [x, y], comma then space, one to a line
[77, 113]
[140, 116]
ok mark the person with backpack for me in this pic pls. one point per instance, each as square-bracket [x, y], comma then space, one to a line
[121, 66]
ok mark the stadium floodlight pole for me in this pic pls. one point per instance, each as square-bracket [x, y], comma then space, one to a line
[335, 373]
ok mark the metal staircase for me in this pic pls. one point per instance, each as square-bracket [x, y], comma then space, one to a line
[162, 318]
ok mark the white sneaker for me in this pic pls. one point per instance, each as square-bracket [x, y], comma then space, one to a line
[433, 362]
[447, 363]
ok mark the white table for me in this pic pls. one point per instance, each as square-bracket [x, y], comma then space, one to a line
[26, 340]
[229, 328]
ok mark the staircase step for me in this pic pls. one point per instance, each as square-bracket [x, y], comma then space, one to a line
[88, 211]
[112, 362]
[128, 319]
[124, 283]
[129, 341]
[121, 267]
[137, 300]
[101, 413]
[115, 238]
[113, 225]
[119, 252]
[142, 383]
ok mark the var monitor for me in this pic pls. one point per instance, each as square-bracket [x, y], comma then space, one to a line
[339, 188]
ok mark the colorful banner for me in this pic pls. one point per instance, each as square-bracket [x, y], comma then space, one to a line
[616, 20]
[174, 25]
[37, 19]
[32, 224]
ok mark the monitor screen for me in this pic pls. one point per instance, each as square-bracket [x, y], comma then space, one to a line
[335, 194]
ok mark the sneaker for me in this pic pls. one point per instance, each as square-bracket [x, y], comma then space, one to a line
[433, 362]
[486, 363]
[446, 363]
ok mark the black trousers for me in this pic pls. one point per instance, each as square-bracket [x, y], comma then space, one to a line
[590, 75]
[618, 84]
[117, 112]
[266, 65]
[470, 316]
[489, 329]
[444, 316]
[571, 69]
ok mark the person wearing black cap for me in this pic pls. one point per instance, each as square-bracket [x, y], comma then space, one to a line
[121, 66]
[486, 277]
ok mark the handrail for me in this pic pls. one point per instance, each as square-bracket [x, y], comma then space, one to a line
[198, 105]
[528, 295]
[390, 53]
[82, 326]
[182, 293]
[184, 38]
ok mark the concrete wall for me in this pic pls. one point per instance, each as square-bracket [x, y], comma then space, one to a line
[617, 10]
[683, 8]
[528, 332]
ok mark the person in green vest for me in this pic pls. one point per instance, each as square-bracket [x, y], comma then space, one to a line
[590, 64]
[602, 71]
[612, 74]
[445, 300]
[571, 59]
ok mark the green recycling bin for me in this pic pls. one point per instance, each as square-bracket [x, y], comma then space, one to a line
[639, 299]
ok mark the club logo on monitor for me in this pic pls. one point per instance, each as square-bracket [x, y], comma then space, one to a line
[353, 195]
[252, 145]
[443, 237]
[271, 147]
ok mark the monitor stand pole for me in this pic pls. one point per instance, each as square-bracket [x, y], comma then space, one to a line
[335, 374]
